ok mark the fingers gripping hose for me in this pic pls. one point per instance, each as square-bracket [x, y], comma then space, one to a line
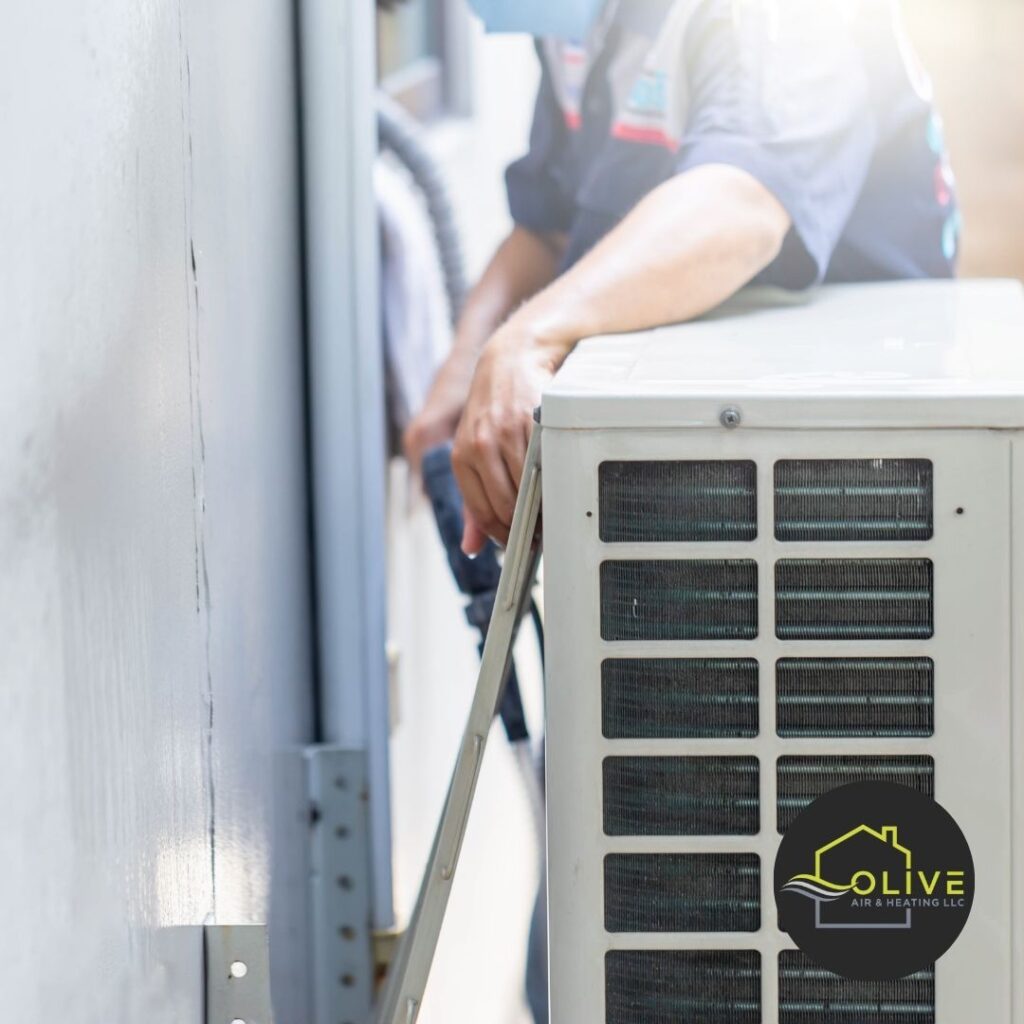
[477, 577]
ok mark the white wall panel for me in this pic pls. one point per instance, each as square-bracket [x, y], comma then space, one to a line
[153, 566]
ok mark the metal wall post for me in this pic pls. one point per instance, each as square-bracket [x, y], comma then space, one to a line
[338, 44]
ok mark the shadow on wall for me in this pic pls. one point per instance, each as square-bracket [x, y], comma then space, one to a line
[971, 48]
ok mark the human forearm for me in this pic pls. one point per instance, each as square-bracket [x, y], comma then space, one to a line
[523, 265]
[683, 250]
[686, 248]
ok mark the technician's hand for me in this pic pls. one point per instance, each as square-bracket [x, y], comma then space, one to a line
[435, 423]
[491, 440]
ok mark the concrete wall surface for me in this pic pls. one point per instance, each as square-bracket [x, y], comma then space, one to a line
[154, 581]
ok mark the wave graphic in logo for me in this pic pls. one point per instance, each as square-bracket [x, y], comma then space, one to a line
[816, 888]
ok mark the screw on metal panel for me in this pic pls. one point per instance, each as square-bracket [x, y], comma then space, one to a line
[730, 418]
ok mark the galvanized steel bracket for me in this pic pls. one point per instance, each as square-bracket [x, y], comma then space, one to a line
[340, 886]
[237, 962]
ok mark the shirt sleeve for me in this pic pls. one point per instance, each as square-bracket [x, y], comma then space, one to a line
[780, 90]
[536, 197]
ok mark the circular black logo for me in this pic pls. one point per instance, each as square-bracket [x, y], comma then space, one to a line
[874, 881]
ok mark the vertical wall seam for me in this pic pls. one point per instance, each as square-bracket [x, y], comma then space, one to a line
[198, 446]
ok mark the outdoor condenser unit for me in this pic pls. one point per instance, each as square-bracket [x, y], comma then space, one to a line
[784, 550]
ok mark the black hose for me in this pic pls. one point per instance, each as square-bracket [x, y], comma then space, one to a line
[400, 134]
[538, 625]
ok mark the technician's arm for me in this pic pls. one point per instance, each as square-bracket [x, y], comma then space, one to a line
[688, 246]
[524, 264]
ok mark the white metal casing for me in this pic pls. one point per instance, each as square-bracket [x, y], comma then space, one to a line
[905, 354]
[900, 371]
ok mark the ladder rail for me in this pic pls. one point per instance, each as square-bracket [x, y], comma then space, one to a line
[407, 978]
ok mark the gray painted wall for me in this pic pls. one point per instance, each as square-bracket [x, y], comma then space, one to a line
[154, 585]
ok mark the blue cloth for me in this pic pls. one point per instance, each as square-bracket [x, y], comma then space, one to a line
[829, 109]
[570, 18]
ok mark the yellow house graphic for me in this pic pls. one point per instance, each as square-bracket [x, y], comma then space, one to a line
[887, 834]
[817, 886]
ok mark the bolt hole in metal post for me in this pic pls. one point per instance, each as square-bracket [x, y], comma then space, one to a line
[347, 932]
[348, 980]
[345, 883]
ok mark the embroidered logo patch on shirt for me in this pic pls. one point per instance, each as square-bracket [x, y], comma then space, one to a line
[644, 117]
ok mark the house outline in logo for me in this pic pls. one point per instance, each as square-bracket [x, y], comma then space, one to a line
[818, 888]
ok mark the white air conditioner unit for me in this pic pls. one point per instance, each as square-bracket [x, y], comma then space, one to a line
[784, 550]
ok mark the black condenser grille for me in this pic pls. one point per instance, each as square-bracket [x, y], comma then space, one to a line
[677, 501]
[873, 697]
[853, 499]
[679, 698]
[810, 995]
[679, 600]
[820, 698]
[683, 987]
[854, 599]
[681, 796]
[691, 892]
[803, 779]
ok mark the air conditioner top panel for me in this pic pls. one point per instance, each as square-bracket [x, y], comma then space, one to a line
[892, 355]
